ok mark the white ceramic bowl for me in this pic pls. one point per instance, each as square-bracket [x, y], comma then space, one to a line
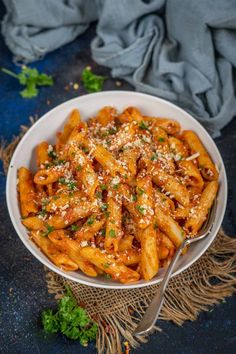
[53, 121]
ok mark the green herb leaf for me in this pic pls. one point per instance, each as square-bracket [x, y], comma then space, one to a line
[154, 157]
[71, 185]
[49, 229]
[155, 226]
[112, 233]
[99, 194]
[107, 214]
[107, 276]
[140, 191]
[103, 232]
[104, 206]
[143, 126]
[133, 198]
[90, 220]
[71, 320]
[161, 140]
[42, 212]
[116, 186]
[103, 187]
[79, 168]
[92, 82]
[52, 154]
[140, 209]
[30, 78]
[106, 265]
[62, 180]
[74, 227]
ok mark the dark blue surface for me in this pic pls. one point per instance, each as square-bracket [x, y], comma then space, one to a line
[23, 293]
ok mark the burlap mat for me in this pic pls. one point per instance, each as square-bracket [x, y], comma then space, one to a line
[117, 312]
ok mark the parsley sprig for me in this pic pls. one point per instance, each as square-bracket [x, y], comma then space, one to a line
[71, 320]
[31, 79]
[92, 82]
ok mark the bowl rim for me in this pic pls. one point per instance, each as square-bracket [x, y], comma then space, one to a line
[117, 286]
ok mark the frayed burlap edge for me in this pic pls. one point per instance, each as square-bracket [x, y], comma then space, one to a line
[207, 282]
[7, 149]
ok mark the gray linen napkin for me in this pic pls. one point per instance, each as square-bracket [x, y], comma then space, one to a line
[180, 50]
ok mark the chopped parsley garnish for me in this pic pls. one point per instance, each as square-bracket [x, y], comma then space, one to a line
[107, 276]
[71, 320]
[155, 226]
[62, 180]
[112, 233]
[164, 199]
[85, 150]
[44, 202]
[49, 230]
[154, 157]
[103, 232]
[143, 126]
[90, 220]
[104, 206]
[60, 162]
[140, 191]
[48, 165]
[112, 131]
[107, 214]
[106, 265]
[74, 227]
[133, 198]
[116, 186]
[52, 154]
[42, 212]
[71, 186]
[99, 194]
[55, 197]
[103, 187]
[92, 82]
[79, 168]
[161, 140]
[31, 79]
[140, 209]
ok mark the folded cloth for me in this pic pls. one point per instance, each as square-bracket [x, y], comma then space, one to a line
[180, 50]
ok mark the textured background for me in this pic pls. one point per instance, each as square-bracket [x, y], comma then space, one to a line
[23, 292]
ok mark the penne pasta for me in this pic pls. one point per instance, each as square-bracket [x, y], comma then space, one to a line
[113, 222]
[149, 257]
[118, 193]
[206, 165]
[199, 213]
[60, 259]
[27, 193]
[109, 265]
[170, 227]
[65, 244]
[192, 174]
[106, 115]
[171, 185]
[42, 156]
[72, 122]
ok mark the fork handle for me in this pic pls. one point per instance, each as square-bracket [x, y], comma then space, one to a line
[149, 319]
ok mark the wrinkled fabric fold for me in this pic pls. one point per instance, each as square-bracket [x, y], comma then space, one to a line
[180, 50]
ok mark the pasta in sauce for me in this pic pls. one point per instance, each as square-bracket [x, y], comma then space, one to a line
[117, 194]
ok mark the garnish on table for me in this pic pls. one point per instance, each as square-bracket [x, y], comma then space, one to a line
[71, 320]
[91, 81]
[31, 79]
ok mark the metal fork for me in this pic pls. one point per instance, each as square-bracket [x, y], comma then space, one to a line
[149, 319]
